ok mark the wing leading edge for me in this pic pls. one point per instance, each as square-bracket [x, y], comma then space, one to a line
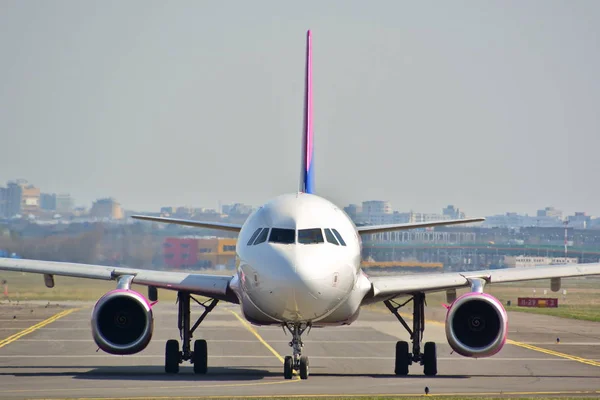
[188, 222]
[386, 287]
[215, 286]
[399, 227]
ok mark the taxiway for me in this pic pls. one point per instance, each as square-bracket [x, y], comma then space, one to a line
[48, 352]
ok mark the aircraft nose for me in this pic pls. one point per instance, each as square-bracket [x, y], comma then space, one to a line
[311, 288]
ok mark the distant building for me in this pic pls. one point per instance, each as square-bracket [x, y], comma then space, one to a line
[353, 211]
[183, 212]
[30, 200]
[514, 220]
[167, 211]
[3, 202]
[106, 208]
[426, 217]
[236, 209]
[579, 221]
[64, 203]
[453, 213]
[550, 212]
[376, 207]
[79, 211]
[594, 223]
[14, 197]
[375, 212]
[531, 261]
[48, 201]
[199, 252]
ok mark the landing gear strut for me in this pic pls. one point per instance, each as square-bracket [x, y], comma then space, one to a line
[428, 358]
[296, 362]
[199, 356]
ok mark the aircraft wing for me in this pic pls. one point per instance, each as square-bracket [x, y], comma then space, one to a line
[386, 287]
[188, 222]
[215, 286]
[399, 227]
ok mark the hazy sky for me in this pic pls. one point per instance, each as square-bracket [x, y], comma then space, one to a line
[489, 105]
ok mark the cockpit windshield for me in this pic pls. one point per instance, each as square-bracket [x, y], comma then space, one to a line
[330, 237]
[310, 236]
[339, 237]
[285, 236]
[262, 237]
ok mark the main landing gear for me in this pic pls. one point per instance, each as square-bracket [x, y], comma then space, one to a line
[428, 358]
[297, 362]
[199, 356]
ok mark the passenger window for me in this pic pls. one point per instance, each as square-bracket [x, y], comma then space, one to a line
[339, 237]
[330, 238]
[310, 236]
[262, 237]
[254, 235]
[285, 236]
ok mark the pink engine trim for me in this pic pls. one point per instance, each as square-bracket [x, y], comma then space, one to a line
[141, 296]
[497, 302]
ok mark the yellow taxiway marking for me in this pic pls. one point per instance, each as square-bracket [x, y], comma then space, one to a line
[140, 388]
[37, 326]
[255, 333]
[263, 341]
[554, 353]
[354, 395]
[525, 346]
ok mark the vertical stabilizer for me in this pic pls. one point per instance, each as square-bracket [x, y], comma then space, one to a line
[307, 184]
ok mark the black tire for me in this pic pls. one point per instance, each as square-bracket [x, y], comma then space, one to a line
[288, 367]
[430, 359]
[402, 358]
[172, 357]
[200, 359]
[304, 367]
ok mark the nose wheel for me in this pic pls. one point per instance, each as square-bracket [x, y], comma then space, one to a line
[404, 358]
[297, 362]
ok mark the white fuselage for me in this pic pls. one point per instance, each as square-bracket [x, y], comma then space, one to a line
[301, 271]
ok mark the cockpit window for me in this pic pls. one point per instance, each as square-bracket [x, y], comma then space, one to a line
[310, 236]
[254, 235]
[285, 236]
[329, 236]
[262, 237]
[339, 237]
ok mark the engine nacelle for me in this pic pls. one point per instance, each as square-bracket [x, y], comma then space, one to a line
[476, 325]
[122, 322]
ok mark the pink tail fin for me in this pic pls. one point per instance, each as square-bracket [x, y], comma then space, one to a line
[307, 180]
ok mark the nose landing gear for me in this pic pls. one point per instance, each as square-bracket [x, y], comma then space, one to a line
[296, 362]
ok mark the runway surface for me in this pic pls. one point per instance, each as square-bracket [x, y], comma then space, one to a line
[49, 353]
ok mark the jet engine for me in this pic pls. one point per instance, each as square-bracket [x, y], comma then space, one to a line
[122, 322]
[476, 325]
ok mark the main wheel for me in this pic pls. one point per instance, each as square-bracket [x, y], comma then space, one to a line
[288, 367]
[304, 367]
[200, 357]
[402, 358]
[430, 359]
[172, 357]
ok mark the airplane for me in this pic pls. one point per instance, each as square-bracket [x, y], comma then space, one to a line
[298, 267]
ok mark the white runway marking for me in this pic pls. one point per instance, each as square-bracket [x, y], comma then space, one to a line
[161, 356]
[316, 341]
[235, 341]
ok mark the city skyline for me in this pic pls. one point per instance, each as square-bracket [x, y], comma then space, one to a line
[32, 201]
[492, 108]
